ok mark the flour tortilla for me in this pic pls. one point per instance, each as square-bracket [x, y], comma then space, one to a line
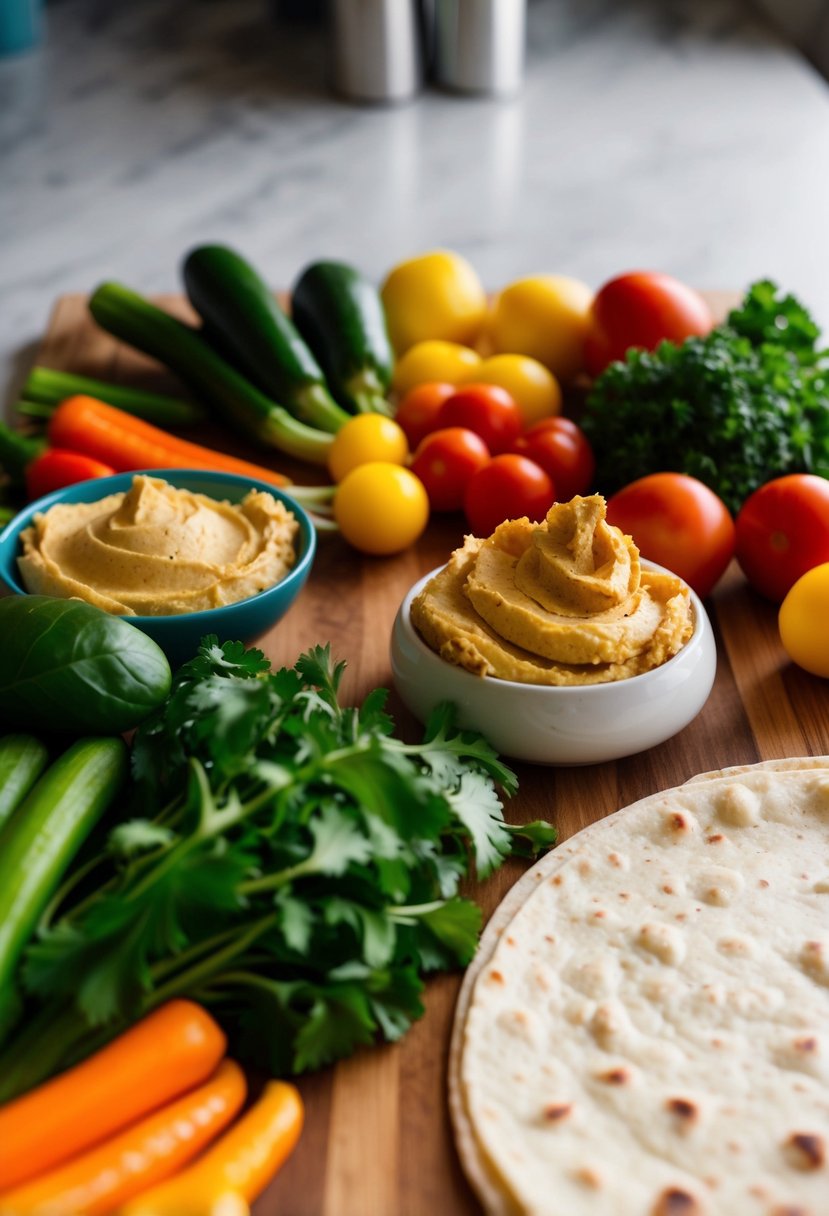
[684, 1126]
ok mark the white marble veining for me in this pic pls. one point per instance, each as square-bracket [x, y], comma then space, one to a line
[683, 136]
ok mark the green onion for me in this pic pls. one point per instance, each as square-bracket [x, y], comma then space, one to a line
[47, 387]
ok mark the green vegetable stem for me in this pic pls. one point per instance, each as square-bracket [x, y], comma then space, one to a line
[289, 862]
[22, 759]
[45, 388]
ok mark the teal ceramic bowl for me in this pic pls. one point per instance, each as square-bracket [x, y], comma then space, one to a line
[179, 636]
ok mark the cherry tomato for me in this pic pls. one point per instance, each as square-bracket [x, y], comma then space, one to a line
[803, 616]
[564, 453]
[677, 522]
[509, 487]
[445, 461]
[487, 410]
[641, 309]
[363, 438]
[381, 508]
[536, 391]
[418, 412]
[56, 468]
[433, 360]
[783, 531]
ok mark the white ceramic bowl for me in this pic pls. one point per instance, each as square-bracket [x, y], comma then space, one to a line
[550, 725]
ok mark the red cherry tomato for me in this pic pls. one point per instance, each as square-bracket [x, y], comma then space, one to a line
[418, 412]
[507, 488]
[783, 531]
[564, 453]
[486, 409]
[677, 522]
[57, 467]
[641, 309]
[445, 461]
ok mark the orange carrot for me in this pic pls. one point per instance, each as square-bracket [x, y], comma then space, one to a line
[162, 1056]
[102, 1180]
[237, 1168]
[86, 425]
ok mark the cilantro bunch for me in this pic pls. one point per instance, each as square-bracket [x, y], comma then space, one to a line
[288, 862]
[747, 403]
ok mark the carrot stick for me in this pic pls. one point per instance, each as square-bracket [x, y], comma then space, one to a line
[108, 1176]
[162, 1056]
[237, 1168]
[84, 424]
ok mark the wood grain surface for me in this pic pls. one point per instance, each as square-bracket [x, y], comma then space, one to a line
[377, 1140]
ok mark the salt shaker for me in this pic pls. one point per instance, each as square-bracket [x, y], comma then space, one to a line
[479, 45]
[377, 49]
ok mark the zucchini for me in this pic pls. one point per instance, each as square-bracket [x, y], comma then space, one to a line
[128, 316]
[340, 315]
[243, 321]
[72, 667]
[22, 759]
[42, 838]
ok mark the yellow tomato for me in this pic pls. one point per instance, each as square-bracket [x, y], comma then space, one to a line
[545, 317]
[436, 295]
[803, 616]
[534, 389]
[381, 508]
[363, 438]
[435, 362]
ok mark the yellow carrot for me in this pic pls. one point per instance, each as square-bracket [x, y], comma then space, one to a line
[230, 1175]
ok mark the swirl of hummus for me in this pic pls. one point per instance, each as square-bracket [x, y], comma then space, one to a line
[159, 551]
[564, 602]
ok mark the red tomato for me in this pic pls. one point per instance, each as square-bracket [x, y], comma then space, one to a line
[507, 488]
[641, 309]
[445, 461]
[783, 531]
[679, 523]
[57, 467]
[418, 412]
[486, 409]
[564, 453]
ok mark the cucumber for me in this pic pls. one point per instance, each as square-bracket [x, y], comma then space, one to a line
[243, 321]
[340, 315]
[42, 838]
[22, 759]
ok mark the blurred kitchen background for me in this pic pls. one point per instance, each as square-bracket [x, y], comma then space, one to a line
[685, 135]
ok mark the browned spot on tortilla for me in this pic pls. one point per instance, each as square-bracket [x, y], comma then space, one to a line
[668, 889]
[716, 838]
[496, 977]
[806, 1045]
[589, 1177]
[556, 1111]
[676, 1202]
[510, 941]
[679, 822]
[615, 1076]
[614, 859]
[684, 1110]
[807, 1151]
[762, 882]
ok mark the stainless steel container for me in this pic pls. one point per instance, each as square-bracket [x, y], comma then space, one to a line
[479, 45]
[377, 54]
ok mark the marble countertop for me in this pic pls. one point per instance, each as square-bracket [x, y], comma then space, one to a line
[680, 136]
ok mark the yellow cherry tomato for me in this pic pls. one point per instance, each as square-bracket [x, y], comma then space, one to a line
[546, 317]
[435, 295]
[803, 616]
[363, 438]
[381, 508]
[534, 389]
[435, 362]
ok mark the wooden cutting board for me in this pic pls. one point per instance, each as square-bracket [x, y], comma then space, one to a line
[377, 1140]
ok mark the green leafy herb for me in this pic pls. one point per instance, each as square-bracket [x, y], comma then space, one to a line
[288, 861]
[747, 403]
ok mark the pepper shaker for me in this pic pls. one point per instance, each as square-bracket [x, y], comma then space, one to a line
[479, 45]
[377, 49]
